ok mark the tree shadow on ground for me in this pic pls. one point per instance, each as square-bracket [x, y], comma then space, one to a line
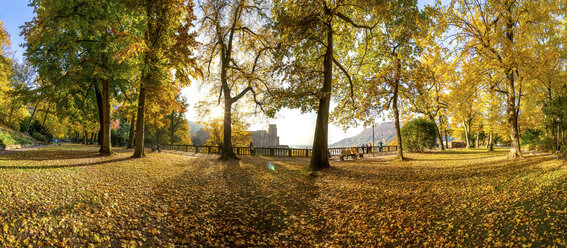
[239, 202]
[35, 167]
[383, 172]
[466, 151]
[43, 155]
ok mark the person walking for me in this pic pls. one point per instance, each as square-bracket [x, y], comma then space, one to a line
[380, 146]
[252, 151]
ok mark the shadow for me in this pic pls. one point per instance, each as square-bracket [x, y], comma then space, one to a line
[464, 151]
[231, 201]
[445, 159]
[382, 171]
[42, 155]
[35, 167]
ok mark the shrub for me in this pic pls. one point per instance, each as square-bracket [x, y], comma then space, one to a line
[531, 137]
[6, 139]
[40, 137]
[36, 130]
[419, 134]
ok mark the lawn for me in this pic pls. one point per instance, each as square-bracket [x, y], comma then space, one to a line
[68, 196]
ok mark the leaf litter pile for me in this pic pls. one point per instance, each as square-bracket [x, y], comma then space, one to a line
[68, 196]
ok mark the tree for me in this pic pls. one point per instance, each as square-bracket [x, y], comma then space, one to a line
[427, 93]
[419, 134]
[240, 134]
[166, 46]
[311, 35]
[501, 32]
[464, 95]
[177, 123]
[73, 45]
[392, 57]
[239, 37]
[23, 84]
[5, 71]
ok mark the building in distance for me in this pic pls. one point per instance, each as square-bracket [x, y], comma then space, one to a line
[263, 138]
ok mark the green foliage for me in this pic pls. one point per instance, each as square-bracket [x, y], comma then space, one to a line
[36, 130]
[40, 137]
[531, 136]
[8, 139]
[418, 135]
[556, 112]
[11, 137]
[119, 137]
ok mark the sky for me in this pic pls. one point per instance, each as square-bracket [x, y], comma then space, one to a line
[294, 128]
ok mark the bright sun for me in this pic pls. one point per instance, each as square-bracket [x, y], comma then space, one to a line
[217, 112]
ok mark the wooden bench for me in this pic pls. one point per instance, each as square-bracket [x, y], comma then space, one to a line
[350, 152]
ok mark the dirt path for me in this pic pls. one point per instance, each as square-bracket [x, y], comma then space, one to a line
[6, 152]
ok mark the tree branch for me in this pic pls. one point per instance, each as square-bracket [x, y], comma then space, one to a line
[242, 93]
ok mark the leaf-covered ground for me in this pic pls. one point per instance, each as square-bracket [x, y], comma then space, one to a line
[68, 196]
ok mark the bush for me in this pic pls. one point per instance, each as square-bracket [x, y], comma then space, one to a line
[36, 130]
[531, 137]
[7, 139]
[40, 137]
[419, 134]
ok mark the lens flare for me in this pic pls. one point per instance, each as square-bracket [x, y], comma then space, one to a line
[272, 167]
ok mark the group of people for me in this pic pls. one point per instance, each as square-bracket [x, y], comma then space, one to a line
[368, 147]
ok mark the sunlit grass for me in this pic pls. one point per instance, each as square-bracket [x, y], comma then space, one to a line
[68, 196]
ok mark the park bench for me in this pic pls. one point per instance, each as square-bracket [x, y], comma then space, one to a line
[350, 152]
[156, 148]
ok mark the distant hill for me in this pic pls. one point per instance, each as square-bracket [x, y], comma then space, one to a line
[194, 127]
[383, 131]
[198, 134]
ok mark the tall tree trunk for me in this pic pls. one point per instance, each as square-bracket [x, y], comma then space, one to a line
[158, 136]
[511, 108]
[446, 139]
[227, 152]
[396, 110]
[467, 134]
[92, 137]
[320, 151]
[438, 132]
[31, 118]
[85, 135]
[139, 148]
[512, 117]
[477, 145]
[106, 148]
[171, 128]
[131, 133]
[45, 116]
[397, 121]
[491, 141]
[100, 106]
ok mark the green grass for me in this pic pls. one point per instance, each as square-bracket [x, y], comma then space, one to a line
[68, 196]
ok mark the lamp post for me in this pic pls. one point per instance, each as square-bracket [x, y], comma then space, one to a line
[373, 125]
[558, 120]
